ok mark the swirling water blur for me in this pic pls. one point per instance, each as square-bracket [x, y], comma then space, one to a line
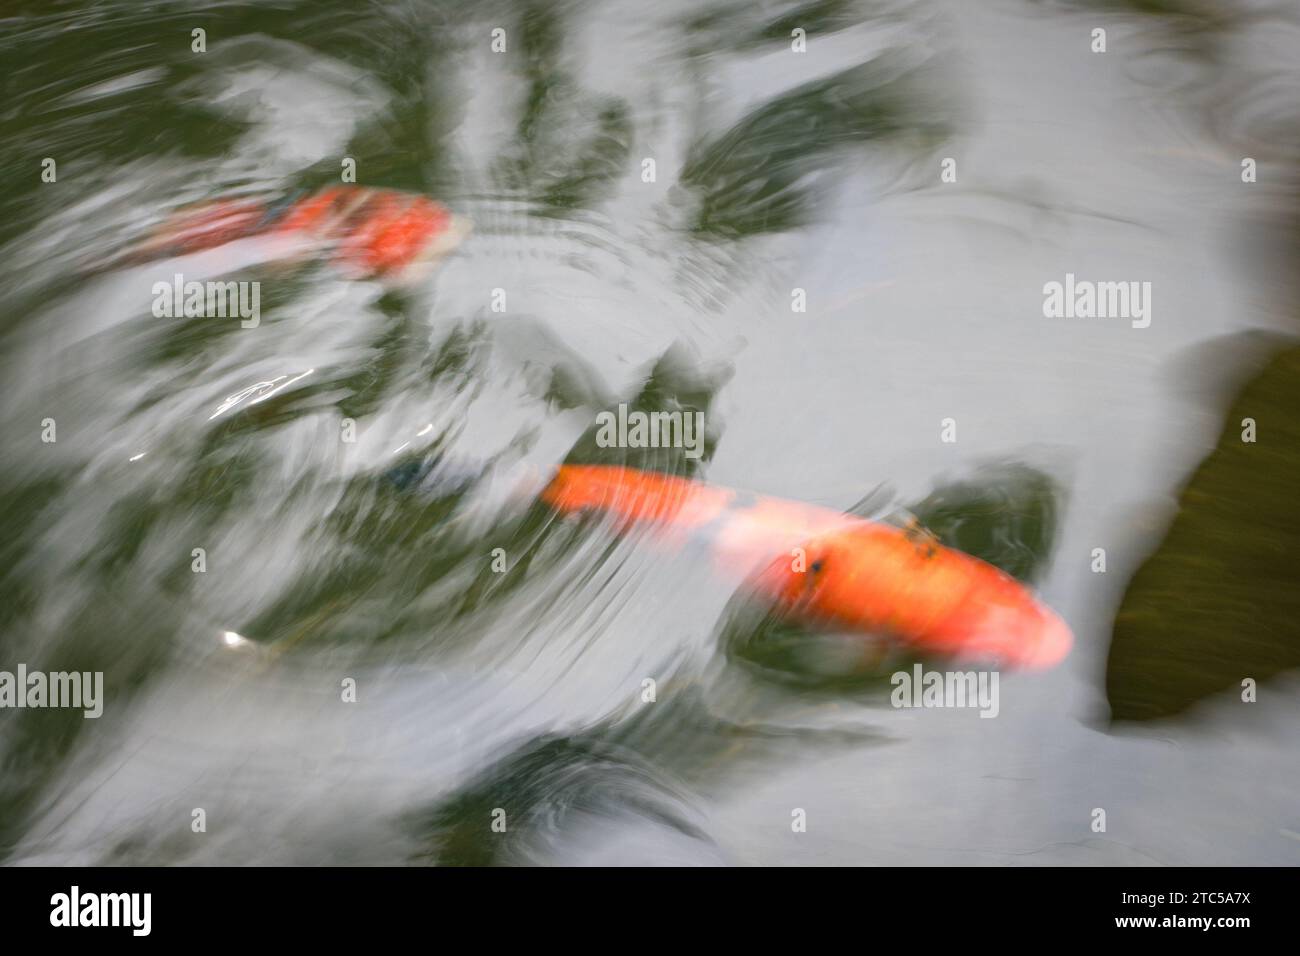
[372, 559]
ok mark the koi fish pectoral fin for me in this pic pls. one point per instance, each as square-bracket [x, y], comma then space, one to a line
[876, 502]
[778, 643]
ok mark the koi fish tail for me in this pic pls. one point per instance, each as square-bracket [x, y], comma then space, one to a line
[200, 228]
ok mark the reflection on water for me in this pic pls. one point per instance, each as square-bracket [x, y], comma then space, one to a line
[308, 556]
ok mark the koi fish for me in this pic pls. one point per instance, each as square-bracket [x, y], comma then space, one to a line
[384, 234]
[832, 569]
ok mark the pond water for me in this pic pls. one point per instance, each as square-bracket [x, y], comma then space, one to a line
[593, 278]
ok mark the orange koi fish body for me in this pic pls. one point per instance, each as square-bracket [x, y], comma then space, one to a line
[848, 573]
[382, 234]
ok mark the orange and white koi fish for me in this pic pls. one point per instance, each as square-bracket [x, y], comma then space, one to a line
[828, 568]
[383, 234]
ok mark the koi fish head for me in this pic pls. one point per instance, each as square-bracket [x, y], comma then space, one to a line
[877, 579]
[397, 237]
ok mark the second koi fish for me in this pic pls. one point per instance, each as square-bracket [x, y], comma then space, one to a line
[833, 569]
[383, 234]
